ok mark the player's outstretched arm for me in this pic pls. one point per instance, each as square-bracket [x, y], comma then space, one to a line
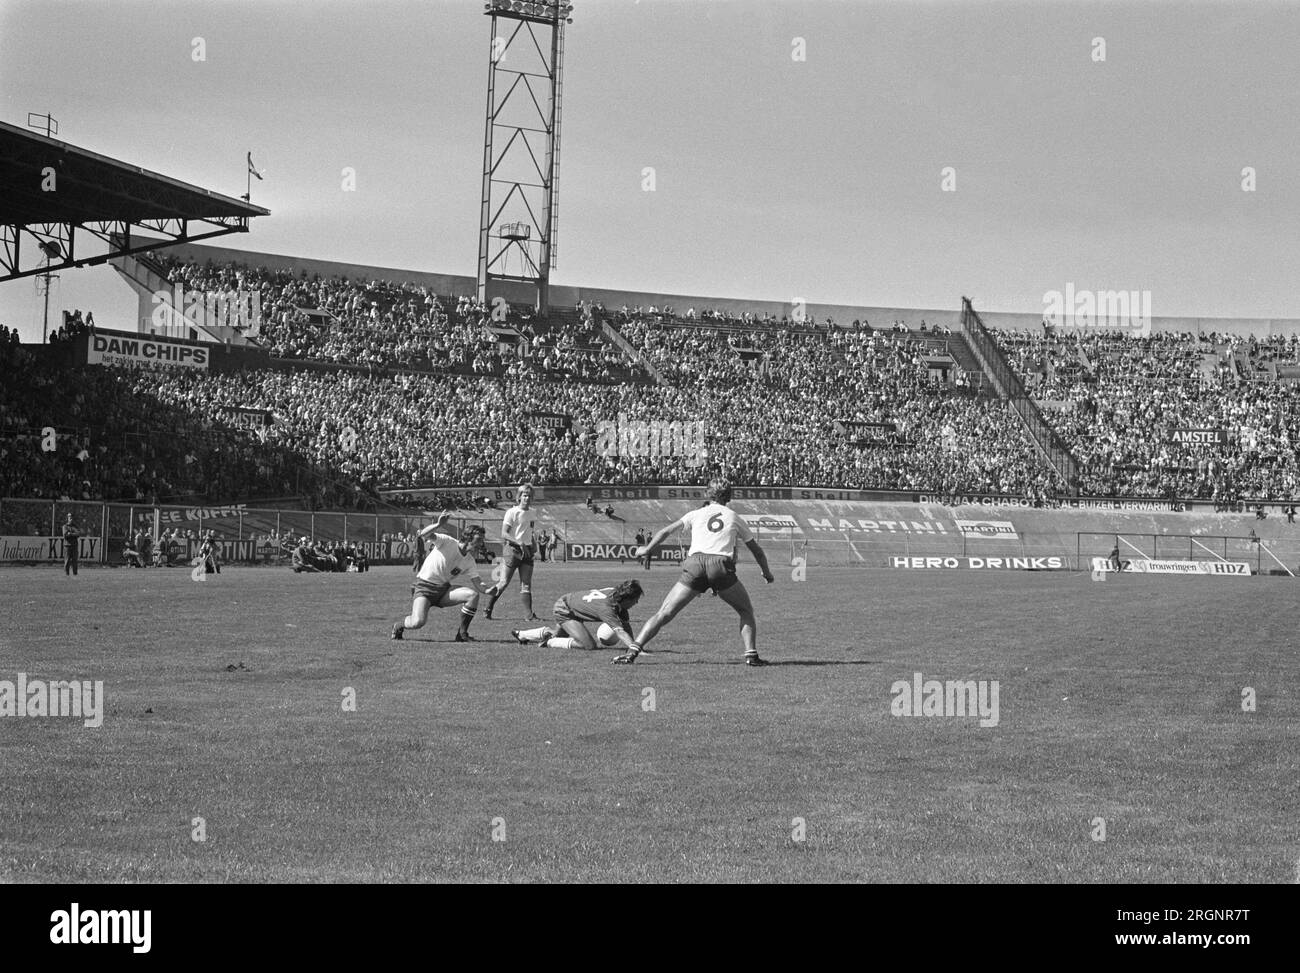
[433, 527]
[761, 558]
[660, 536]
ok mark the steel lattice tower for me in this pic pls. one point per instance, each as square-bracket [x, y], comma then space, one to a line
[518, 215]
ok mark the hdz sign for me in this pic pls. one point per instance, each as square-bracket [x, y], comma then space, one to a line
[1237, 569]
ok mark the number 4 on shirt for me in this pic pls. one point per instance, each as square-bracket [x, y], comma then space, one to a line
[595, 595]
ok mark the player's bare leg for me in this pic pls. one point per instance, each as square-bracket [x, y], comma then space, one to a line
[678, 597]
[540, 634]
[419, 612]
[576, 636]
[467, 598]
[497, 590]
[738, 598]
[526, 590]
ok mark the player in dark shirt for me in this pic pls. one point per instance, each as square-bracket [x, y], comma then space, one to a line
[578, 609]
[71, 546]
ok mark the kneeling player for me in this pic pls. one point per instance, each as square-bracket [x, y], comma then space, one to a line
[710, 565]
[449, 561]
[577, 609]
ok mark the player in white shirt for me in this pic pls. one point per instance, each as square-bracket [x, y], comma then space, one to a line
[441, 581]
[517, 547]
[710, 564]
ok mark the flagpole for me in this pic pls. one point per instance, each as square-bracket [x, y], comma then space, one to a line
[248, 178]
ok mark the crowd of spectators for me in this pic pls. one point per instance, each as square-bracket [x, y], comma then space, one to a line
[74, 325]
[1117, 400]
[115, 439]
[310, 557]
[768, 401]
[455, 389]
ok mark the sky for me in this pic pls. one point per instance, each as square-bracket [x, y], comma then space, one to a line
[774, 176]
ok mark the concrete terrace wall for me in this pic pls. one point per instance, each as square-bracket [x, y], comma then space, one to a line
[1245, 327]
[867, 534]
[562, 295]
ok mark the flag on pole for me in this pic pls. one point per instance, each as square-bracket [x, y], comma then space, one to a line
[251, 170]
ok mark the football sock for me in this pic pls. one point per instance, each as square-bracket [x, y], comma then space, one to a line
[533, 634]
[563, 643]
[466, 616]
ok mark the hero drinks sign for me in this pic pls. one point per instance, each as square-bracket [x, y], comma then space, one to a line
[1050, 563]
[15, 548]
[103, 350]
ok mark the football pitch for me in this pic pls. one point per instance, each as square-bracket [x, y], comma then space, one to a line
[1146, 731]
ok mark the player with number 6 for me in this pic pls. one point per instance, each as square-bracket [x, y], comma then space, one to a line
[710, 565]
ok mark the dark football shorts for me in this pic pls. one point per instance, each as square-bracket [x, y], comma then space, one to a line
[515, 556]
[562, 612]
[432, 590]
[700, 572]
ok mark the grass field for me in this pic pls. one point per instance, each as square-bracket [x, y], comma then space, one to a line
[1119, 700]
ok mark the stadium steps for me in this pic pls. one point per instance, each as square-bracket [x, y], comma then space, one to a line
[962, 352]
[1210, 366]
[1051, 446]
[616, 338]
[147, 277]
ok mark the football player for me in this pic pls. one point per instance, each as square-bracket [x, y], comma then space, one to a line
[450, 561]
[710, 565]
[578, 609]
[517, 547]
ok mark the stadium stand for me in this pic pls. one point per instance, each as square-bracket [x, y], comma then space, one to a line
[441, 389]
[1117, 400]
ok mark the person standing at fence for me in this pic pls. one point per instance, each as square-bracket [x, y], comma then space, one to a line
[419, 553]
[209, 551]
[517, 547]
[71, 546]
